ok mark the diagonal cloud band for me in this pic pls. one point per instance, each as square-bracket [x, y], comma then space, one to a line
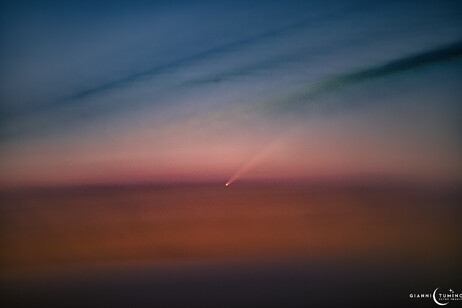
[300, 97]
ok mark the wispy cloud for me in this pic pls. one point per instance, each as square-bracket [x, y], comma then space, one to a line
[301, 97]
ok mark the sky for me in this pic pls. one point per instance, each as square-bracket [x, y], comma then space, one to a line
[228, 91]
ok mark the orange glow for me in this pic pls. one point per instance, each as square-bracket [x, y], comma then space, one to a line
[79, 228]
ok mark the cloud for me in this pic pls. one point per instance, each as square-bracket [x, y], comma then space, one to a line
[304, 96]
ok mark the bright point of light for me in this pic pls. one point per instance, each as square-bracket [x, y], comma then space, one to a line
[227, 184]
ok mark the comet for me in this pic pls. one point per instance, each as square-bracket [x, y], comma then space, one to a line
[256, 159]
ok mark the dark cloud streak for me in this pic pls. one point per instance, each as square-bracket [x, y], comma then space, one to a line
[164, 69]
[302, 97]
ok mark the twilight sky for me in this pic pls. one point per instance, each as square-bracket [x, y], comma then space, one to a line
[216, 90]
